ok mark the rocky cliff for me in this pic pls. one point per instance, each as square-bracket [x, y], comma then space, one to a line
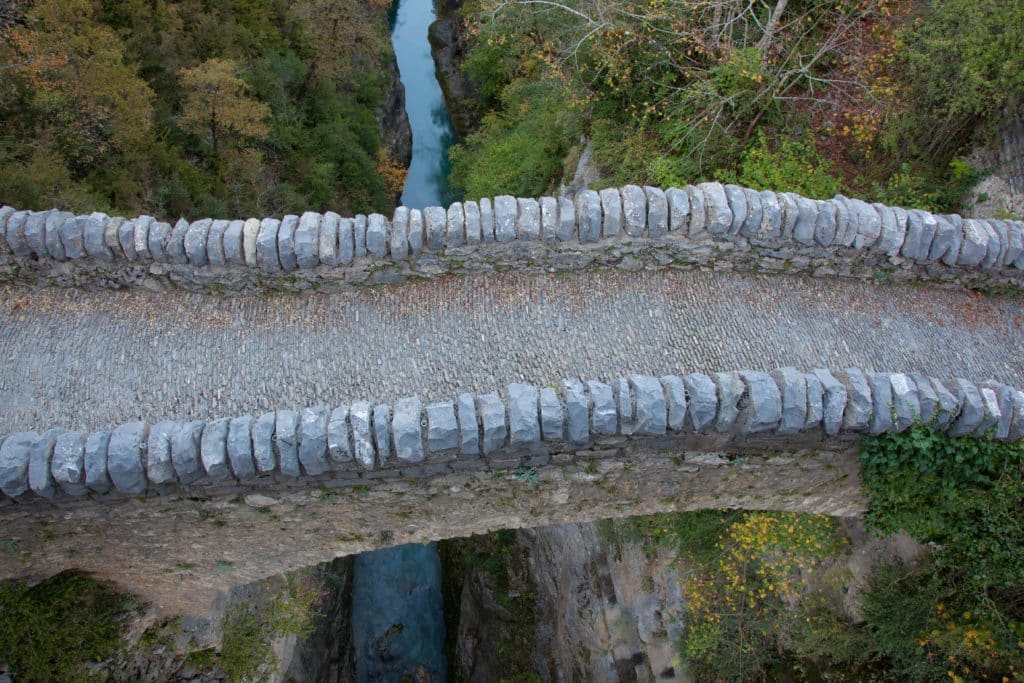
[448, 42]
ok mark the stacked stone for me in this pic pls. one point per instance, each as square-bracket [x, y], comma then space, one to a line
[705, 211]
[526, 423]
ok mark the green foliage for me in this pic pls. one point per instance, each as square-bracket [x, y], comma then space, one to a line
[50, 631]
[788, 164]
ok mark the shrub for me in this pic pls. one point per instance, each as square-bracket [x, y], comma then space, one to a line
[787, 165]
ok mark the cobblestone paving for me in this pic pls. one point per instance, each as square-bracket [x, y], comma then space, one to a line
[93, 359]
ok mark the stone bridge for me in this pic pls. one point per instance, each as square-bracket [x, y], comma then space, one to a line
[172, 431]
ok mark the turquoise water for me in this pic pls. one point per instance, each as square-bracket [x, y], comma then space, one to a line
[432, 132]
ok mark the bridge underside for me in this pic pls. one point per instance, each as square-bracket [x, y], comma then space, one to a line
[180, 552]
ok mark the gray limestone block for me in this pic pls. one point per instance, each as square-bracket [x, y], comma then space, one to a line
[881, 403]
[96, 477]
[240, 447]
[974, 243]
[765, 405]
[313, 440]
[359, 235]
[286, 242]
[35, 233]
[327, 246]
[588, 215]
[868, 224]
[72, 237]
[751, 225]
[678, 208]
[972, 407]
[858, 411]
[701, 401]
[793, 387]
[362, 435]
[40, 456]
[175, 249]
[215, 243]
[948, 407]
[455, 220]
[577, 412]
[995, 247]
[921, 227]
[443, 428]
[566, 230]
[698, 223]
[68, 464]
[486, 221]
[474, 234]
[159, 236]
[400, 234]
[140, 236]
[286, 442]
[604, 412]
[159, 466]
[611, 208]
[523, 414]
[5, 213]
[906, 405]
[1017, 422]
[528, 223]
[806, 220]
[407, 430]
[382, 432]
[772, 215]
[339, 446]
[730, 390]
[846, 227]
[14, 460]
[469, 425]
[250, 233]
[999, 227]
[716, 208]
[263, 443]
[505, 210]
[415, 232]
[946, 243]
[833, 401]
[548, 219]
[94, 240]
[346, 241]
[1004, 396]
[195, 243]
[552, 416]
[993, 413]
[266, 246]
[307, 240]
[624, 403]
[435, 223]
[213, 449]
[125, 452]
[634, 210]
[891, 231]
[492, 421]
[815, 401]
[790, 213]
[15, 234]
[377, 229]
[1014, 243]
[927, 399]
[126, 239]
[657, 212]
[825, 227]
[651, 409]
[738, 206]
[675, 400]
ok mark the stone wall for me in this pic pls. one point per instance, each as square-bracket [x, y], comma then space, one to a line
[704, 226]
[525, 426]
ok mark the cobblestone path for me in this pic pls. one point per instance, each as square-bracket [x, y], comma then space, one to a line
[92, 359]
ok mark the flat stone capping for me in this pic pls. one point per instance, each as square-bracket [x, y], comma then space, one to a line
[522, 424]
[705, 226]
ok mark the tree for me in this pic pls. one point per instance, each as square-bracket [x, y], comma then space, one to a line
[217, 104]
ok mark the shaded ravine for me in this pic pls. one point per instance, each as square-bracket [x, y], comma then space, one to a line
[398, 623]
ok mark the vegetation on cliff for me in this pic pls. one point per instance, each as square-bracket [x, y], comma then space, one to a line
[674, 92]
[182, 107]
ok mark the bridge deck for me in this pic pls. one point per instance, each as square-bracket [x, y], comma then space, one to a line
[93, 359]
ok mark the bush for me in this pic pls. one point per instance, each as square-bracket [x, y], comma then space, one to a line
[787, 165]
